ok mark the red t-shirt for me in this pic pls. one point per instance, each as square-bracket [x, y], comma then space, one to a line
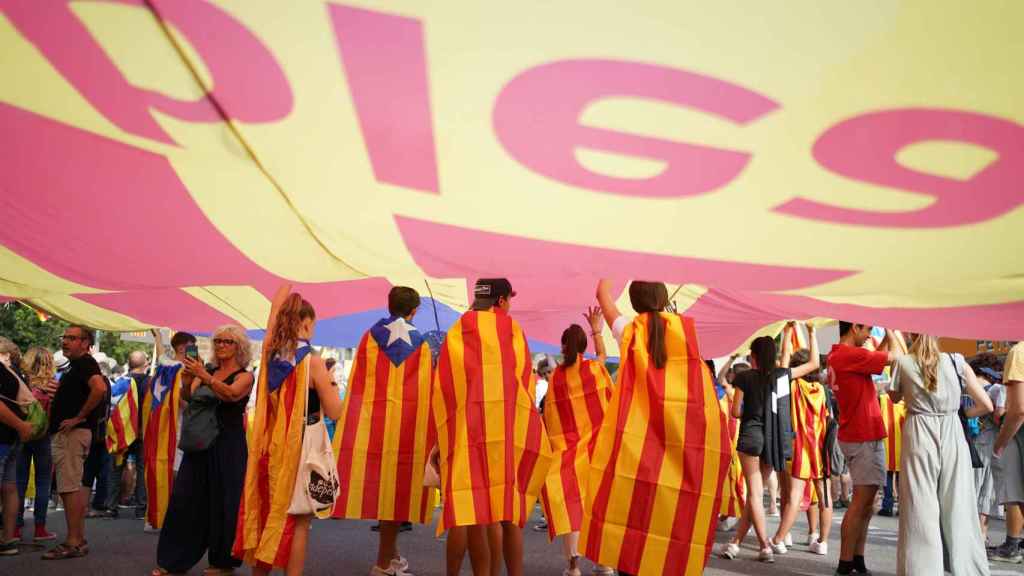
[849, 373]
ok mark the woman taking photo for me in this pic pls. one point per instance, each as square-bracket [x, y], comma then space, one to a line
[938, 507]
[293, 386]
[40, 375]
[577, 397]
[203, 508]
[761, 444]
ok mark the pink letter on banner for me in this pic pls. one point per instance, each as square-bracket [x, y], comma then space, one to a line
[248, 83]
[537, 114]
[864, 148]
[386, 68]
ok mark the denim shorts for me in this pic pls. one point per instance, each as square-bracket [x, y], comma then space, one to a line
[9, 463]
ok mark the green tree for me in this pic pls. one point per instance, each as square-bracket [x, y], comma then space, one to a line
[24, 327]
[112, 345]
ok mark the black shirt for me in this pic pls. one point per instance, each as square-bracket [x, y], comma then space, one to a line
[73, 393]
[9, 388]
[757, 396]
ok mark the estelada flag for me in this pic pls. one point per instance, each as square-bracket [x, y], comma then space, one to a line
[734, 490]
[161, 415]
[893, 417]
[810, 417]
[573, 409]
[122, 426]
[385, 432]
[263, 536]
[494, 451]
[660, 459]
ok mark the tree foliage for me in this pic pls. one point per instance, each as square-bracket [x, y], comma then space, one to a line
[26, 329]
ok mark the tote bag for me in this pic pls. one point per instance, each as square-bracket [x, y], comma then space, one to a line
[316, 485]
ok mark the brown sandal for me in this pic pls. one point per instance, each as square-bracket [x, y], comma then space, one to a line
[65, 551]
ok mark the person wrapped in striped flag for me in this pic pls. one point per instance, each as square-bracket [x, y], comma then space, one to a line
[894, 414]
[161, 411]
[385, 433]
[493, 451]
[292, 387]
[663, 450]
[578, 394]
[734, 495]
[810, 466]
[123, 423]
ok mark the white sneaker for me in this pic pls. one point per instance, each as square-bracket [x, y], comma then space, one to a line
[766, 556]
[149, 529]
[778, 548]
[729, 551]
[812, 538]
[400, 564]
[788, 540]
[819, 548]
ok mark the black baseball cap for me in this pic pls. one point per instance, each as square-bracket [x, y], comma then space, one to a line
[492, 289]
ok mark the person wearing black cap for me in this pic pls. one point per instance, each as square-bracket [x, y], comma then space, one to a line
[493, 451]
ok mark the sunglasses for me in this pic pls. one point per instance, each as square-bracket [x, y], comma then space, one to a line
[223, 342]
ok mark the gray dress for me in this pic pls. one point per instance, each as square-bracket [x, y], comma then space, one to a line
[937, 498]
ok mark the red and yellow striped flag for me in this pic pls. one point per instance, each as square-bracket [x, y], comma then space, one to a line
[734, 491]
[809, 415]
[384, 436]
[577, 398]
[893, 417]
[494, 451]
[122, 426]
[660, 460]
[264, 533]
[161, 416]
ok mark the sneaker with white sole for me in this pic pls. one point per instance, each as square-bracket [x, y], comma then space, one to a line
[401, 565]
[812, 538]
[788, 540]
[819, 548]
[729, 551]
[766, 555]
[778, 547]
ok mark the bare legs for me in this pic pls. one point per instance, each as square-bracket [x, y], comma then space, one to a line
[388, 548]
[855, 522]
[753, 513]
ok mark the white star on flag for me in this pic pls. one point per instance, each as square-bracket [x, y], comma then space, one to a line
[399, 330]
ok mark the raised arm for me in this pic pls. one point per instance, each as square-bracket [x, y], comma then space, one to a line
[158, 342]
[607, 302]
[814, 362]
[593, 316]
[726, 367]
[787, 344]
[275, 306]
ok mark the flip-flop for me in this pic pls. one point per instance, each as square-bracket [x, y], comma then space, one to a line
[64, 551]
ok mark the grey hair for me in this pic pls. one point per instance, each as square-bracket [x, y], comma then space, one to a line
[243, 347]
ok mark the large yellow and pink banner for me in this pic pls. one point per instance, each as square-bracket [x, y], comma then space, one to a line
[168, 162]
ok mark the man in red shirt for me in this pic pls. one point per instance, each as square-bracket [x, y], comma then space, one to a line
[861, 433]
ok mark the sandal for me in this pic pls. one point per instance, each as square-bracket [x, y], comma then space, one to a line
[64, 551]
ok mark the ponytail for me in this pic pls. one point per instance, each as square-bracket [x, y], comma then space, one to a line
[574, 344]
[656, 340]
[293, 311]
[651, 298]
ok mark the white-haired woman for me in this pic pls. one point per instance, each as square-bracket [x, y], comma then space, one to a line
[203, 509]
[938, 513]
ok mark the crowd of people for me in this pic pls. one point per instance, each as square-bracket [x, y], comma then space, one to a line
[234, 463]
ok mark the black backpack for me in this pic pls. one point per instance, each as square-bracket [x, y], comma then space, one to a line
[200, 425]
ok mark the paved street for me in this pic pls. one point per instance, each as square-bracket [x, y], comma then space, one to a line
[348, 547]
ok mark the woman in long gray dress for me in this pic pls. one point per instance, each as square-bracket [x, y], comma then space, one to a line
[937, 498]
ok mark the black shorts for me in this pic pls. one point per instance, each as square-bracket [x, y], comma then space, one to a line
[750, 441]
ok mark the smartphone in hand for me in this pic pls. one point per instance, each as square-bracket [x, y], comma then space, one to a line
[192, 351]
